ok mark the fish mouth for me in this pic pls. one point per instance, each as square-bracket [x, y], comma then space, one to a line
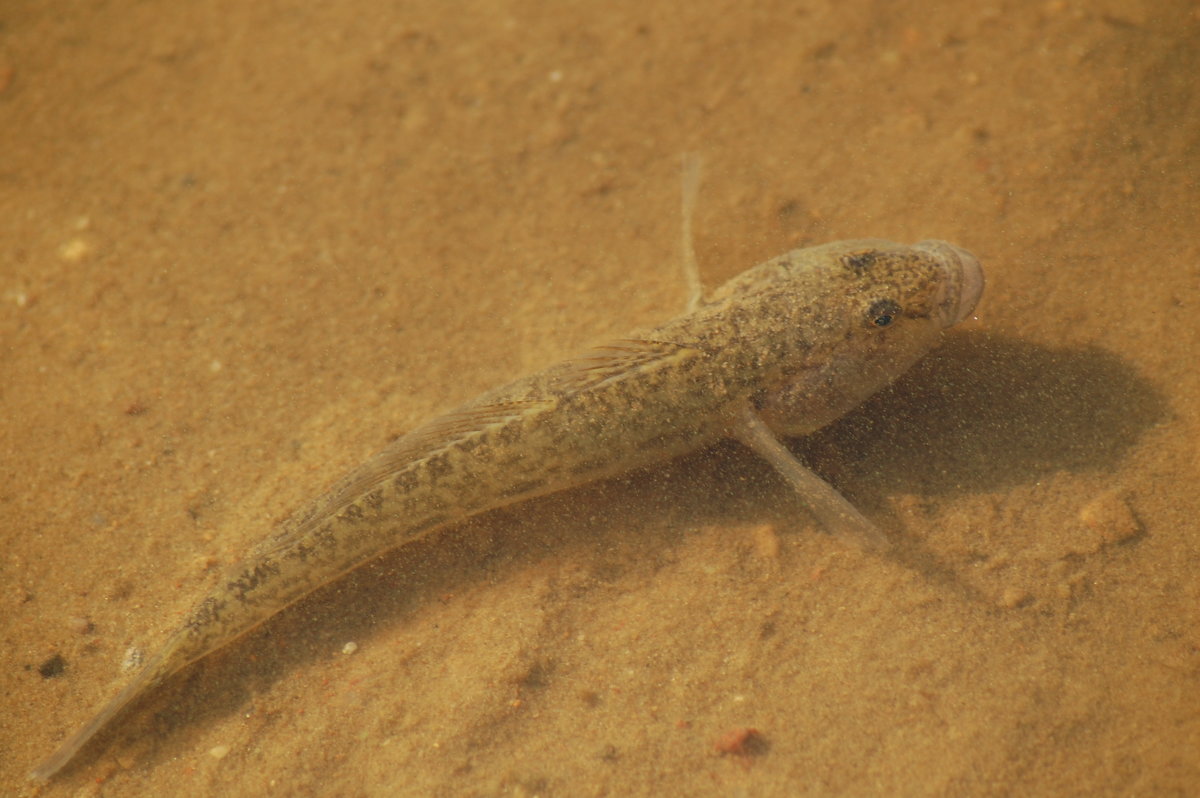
[963, 285]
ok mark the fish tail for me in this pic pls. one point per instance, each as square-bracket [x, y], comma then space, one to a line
[167, 661]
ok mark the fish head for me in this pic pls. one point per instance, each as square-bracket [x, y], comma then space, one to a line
[927, 282]
[863, 312]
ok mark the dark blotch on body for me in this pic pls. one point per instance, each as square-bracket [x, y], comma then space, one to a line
[207, 613]
[252, 578]
[859, 262]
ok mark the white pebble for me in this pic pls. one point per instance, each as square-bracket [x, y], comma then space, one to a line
[350, 648]
[133, 659]
[75, 250]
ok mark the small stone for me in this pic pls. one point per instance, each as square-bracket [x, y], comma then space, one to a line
[133, 659]
[80, 625]
[75, 250]
[1012, 597]
[350, 648]
[53, 667]
[1110, 516]
[206, 562]
[742, 741]
[1105, 520]
[218, 751]
[766, 541]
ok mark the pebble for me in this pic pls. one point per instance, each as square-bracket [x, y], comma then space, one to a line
[1111, 518]
[1105, 520]
[53, 667]
[350, 648]
[1012, 597]
[75, 250]
[133, 659]
[218, 751]
[766, 541]
[80, 625]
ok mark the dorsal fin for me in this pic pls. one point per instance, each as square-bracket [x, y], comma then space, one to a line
[598, 365]
[539, 392]
[617, 359]
[438, 433]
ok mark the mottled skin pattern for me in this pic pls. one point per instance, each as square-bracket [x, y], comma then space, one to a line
[800, 339]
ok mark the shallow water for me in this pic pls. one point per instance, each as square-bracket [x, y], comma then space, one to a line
[247, 246]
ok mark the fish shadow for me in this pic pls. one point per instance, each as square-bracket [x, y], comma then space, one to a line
[986, 412]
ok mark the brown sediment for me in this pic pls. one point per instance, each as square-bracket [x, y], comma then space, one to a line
[286, 234]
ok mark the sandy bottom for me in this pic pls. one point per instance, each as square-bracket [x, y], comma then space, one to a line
[244, 245]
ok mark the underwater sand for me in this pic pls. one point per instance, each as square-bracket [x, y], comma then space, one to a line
[242, 246]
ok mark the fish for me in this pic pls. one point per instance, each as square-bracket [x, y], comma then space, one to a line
[779, 351]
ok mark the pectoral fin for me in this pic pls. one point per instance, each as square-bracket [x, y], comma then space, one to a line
[835, 513]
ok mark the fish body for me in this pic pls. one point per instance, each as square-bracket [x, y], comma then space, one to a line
[788, 346]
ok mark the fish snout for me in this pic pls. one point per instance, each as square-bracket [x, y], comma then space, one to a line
[963, 286]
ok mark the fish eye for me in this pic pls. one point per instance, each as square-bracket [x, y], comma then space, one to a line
[882, 313]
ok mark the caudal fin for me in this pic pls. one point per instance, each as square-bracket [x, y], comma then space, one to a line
[155, 671]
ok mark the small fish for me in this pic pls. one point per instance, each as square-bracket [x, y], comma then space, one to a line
[780, 350]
